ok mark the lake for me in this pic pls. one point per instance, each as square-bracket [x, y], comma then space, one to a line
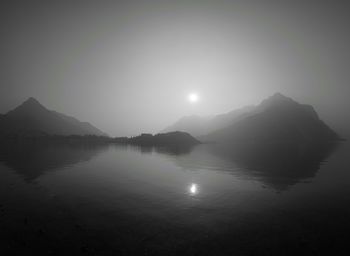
[128, 200]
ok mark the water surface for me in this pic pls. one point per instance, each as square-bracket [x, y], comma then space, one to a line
[123, 200]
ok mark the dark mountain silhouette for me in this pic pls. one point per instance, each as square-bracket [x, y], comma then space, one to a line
[33, 119]
[198, 126]
[276, 119]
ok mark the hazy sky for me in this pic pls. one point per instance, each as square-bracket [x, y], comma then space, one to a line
[128, 66]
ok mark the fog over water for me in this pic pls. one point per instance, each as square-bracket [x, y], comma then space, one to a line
[128, 66]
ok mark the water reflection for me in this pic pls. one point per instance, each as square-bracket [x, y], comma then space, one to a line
[148, 200]
[169, 150]
[32, 159]
[276, 166]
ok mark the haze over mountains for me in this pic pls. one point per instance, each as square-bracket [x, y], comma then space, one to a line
[277, 118]
[32, 118]
[198, 125]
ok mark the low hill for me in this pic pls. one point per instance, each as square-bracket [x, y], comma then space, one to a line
[171, 139]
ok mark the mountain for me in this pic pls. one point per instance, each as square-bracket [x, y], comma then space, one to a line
[277, 119]
[32, 118]
[198, 126]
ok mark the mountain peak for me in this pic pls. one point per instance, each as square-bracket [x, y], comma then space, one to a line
[279, 96]
[31, 104]
[31, 100]
[31, 115]
[277, 99]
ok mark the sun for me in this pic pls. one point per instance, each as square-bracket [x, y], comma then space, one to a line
[193, 97]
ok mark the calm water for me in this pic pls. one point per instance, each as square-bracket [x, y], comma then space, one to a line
[124, 200]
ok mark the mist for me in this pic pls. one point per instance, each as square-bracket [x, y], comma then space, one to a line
[174, 127]
[128, 66]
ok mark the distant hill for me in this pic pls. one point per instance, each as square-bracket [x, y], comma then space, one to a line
[277, 119]
[171, 139]
[198, 125]
[32, 118]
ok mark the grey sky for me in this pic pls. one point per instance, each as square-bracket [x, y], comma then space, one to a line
[128, 66]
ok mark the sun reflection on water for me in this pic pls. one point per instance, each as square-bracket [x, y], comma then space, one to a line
[193, 189]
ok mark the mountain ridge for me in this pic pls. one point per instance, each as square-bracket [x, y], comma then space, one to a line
[32, 117]
[197, 125]
[278, 117]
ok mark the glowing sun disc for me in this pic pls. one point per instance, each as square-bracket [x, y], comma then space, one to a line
[193, 97]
